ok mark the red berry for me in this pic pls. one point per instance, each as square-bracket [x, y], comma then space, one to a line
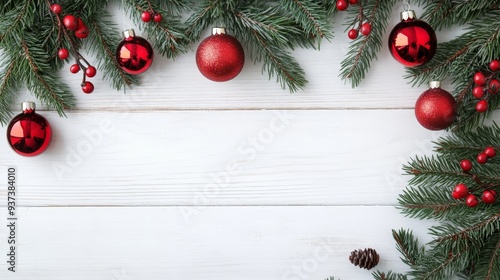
[157, 18]
[482, 158]
[80, 23]
[478, 92]
[489, 196]
[494, 86]
[471, 200]
[70, 22]
[88, 87]
[82, 32]
[90, 71]
[366, 29]
[146, 16]
[75, 68]
[490, 152]
[342, 5]
[482, 106]
[56, 8]
[466, 165]
[460, 191]
[352, 34]
[354, 2]
[495, 65]
[63, 53]
[479, 79]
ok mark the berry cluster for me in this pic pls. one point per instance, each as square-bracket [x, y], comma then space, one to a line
[461, 191]
[151, 14]
[80, 30]
[486, 85]
[364, 28]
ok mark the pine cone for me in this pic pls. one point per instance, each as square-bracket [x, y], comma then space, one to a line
[367, 258]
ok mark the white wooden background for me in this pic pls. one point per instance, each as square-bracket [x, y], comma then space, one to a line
[184, 178]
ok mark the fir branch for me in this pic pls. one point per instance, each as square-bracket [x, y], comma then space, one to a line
[408, 246]
[445, 14]
[478, 231]
[310, 15]
[51, 91]
[169, 33]
[364, 49]
[13, 21]
[378, 275]
[101, 43]
[8, 85]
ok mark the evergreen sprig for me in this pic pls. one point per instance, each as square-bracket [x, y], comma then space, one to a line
[460, 58]
[466, 240]
[365, 48]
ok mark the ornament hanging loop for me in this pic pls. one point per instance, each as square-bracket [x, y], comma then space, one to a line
[406, 6]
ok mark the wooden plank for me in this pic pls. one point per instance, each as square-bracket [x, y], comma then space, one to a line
[223, 243]
[178, 85]
[222, 158]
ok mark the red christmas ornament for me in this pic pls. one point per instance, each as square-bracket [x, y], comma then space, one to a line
[134, 54]
[412, 42]
[220, 57]
[29, 134]
[436, 108]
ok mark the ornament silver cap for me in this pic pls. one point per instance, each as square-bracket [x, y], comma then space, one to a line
[218, 30]
[409, 14]
[128, 33]
[434, 84]
[28, 106]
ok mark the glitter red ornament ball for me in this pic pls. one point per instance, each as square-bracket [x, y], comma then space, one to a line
[436, 108]
[134, 53]
[412, 42]
[220, 57]
[29, 134]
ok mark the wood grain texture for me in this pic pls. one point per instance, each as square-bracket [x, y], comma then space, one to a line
[223, 158]
[275, 243]
[184, 178]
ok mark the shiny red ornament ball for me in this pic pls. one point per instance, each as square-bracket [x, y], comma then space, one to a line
[29, 134]
[220, 57]
[436, 108]
[134, 53]
[412, 42]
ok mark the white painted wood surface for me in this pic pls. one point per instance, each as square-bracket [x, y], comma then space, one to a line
[183, 178]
